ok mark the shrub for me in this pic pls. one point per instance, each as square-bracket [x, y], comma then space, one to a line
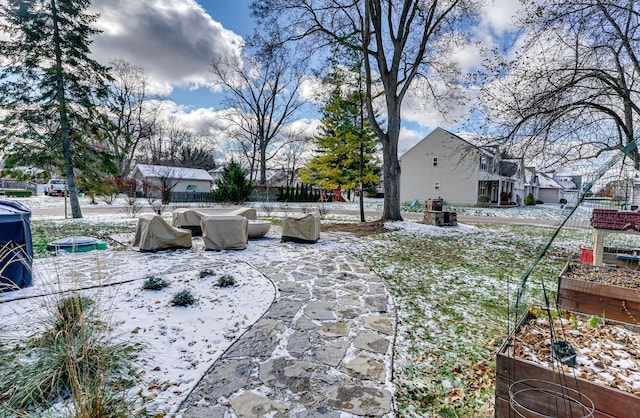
[233, 185]
[206, 272]
[154, 283]
[483, 199]
[529, 200]
[226, 281]
[183, 298]
[563, 201]
[18, 193]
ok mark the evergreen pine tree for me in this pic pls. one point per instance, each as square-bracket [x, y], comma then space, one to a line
[233, 185]
[344, 131]
[48, 87]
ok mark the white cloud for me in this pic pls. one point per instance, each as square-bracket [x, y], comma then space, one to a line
[408, 138]
[500, 15]
[173, 40]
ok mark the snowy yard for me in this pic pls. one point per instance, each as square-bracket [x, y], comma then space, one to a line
[454, 289]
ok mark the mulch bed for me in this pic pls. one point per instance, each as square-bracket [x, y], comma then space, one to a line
[617, 277]
[360, 229]
[607, 353]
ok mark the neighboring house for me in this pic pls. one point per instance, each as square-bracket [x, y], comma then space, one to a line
[550, 190]
[531, 183]
[554, 188]
[445, 165]
[276, 177]
[174, 179]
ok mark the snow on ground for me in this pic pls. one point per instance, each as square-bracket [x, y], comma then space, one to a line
[181, 342]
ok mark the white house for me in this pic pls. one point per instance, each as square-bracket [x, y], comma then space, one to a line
[445, 165]
[531, 182]
[554, 188]
[175, 179]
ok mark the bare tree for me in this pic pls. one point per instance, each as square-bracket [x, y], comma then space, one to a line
[572, 86]
[133, 118]
[164, 145]
[295, 154]
[263, 90]
[399, 42]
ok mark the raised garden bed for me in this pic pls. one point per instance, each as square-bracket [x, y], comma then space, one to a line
[607, 369]
[606, 292]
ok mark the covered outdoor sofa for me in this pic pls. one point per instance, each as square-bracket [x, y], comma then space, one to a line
[189, 218]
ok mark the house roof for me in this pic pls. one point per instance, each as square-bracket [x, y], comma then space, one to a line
[440, 130]
[566, 182]
[176, 173]
[546, 182]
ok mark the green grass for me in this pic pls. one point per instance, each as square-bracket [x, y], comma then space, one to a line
[43, 232]
[454, 295]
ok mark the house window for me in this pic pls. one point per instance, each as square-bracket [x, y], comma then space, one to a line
[483, 163]
[436, 185]
[483, 189]
[435, 161]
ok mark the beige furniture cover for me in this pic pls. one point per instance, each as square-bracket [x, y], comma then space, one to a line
[224, 232]
[302, 228]
[189, 218]
[154, 233]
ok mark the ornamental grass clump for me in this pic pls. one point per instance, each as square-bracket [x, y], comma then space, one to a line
[71, 361]
[183, 298]
[206, 273]
[226, 281]
[154, 283]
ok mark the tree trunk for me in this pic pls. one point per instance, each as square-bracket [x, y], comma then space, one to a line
[391, 173]
[76, 212]
[263, 166]
[391, 164]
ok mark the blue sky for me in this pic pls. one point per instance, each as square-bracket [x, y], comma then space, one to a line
[174, 41]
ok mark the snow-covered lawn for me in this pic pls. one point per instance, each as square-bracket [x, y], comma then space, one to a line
[454, 289]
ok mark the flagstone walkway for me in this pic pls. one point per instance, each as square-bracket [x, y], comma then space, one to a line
[323, 348]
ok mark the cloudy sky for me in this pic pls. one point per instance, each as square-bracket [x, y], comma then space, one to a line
[175, 40]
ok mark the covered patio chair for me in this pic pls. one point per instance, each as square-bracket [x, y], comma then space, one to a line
[153, 233]
[301, 228]
[224, 232]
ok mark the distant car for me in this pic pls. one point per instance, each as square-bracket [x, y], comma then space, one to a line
[54, 187]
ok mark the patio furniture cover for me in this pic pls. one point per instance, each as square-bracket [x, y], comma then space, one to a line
[189, 218]
[301, 228]
[16, 247]
[224, 232]
[153, 233]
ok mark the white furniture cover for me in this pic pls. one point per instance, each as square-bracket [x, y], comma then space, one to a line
[301, 228]
[153, 233]
[224, 232]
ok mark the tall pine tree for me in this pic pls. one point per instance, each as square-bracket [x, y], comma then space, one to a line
[346, 145]
[49, 86]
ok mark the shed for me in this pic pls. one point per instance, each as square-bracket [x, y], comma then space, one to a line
[16, 248]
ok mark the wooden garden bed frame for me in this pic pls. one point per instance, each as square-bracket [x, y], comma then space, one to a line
[608, 402]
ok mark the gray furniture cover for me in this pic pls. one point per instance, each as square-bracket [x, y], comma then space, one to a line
[301, 228]
[224, 232]
[153, 233]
